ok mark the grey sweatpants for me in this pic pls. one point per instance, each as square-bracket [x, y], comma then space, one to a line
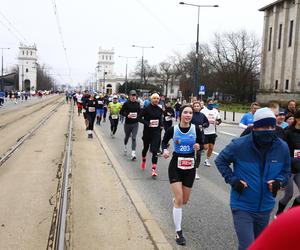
[131, 129]
[289, 189]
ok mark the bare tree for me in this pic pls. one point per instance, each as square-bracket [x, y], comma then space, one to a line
[235, 58]
[148, 71]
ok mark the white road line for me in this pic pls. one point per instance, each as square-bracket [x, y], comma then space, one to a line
[226, 133]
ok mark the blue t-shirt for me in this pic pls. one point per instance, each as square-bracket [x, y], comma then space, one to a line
[247, 119]
[2, 94]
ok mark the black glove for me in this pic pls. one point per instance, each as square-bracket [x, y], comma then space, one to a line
[276, 185]
[238, 186]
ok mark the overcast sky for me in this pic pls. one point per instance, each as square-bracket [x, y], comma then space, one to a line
[118, 24]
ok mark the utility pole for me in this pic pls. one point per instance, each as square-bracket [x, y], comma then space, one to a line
[126, 80]
[2, 80]
[142, 70]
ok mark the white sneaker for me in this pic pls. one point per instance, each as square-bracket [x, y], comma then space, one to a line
[197, 177]
[125, 150]
[206, 163]
[133, 156]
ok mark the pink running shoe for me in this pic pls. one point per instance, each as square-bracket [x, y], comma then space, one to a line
[154, 173]
[143, 163]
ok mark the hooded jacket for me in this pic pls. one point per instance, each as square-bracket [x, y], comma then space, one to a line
[248, 166]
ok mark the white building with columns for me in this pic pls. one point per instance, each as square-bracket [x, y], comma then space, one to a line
[280, 65]
[27, 63]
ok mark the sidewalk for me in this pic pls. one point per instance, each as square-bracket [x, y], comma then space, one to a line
[102, 213]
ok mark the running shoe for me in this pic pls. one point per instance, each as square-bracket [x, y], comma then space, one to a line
[207, 163]
[180, 240]
[154, 173]
[143, 165]
[133, 157]
[125, 150]
[197, 177]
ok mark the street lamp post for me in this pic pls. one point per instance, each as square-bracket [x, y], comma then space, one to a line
[142, 47]
[104, 73]
[126, 57]
[2, 80]
[196, 83]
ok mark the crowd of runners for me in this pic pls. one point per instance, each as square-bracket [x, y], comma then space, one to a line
[15, 96]
[262, 158]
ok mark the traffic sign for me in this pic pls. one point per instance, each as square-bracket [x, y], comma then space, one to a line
[202, 89]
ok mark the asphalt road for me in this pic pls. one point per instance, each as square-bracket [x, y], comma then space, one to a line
[207, 221]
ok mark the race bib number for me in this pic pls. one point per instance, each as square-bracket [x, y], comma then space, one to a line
[100, 102]
[184, 148]
[185, 163]
[297, 153]
[168, 118]
[154, 123]
[92, 109]
[133, 115]
[114, 117]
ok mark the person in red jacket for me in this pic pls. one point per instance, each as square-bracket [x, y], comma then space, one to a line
[282, 233]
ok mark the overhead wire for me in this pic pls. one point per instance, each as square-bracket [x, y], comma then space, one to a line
[12, 29]
[55, 9]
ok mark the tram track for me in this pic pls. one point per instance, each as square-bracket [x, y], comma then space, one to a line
[45, 104]
[6, 155]
[58, 236]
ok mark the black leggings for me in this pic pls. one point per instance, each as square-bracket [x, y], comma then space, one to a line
[91, 118]
[113, 124]
[151, 139]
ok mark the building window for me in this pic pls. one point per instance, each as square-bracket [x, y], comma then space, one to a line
[279, 36]
[106, 57]
[102, 57]
[286, 84]
[276, 84]
[23, 52]
[291, 33]
[109, 57]
[26, 70]
[31, 53]
[270, 38]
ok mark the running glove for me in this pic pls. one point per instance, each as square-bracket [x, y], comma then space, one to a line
[238, 186]
[276, 185]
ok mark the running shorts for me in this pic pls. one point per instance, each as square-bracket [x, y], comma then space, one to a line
[210, 139]
[176, 174]
[99, 112]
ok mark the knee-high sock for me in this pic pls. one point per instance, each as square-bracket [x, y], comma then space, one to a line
[177, 217]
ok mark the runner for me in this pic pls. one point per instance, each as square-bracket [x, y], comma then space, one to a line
[131, 110]
[247, 119]
[151, 117]
[214, 119]
[90, 107]
[114, 108]
[100, 109]
[168, 115]
[200, 121]
[84, 99]
[79, 102]
[186, 139]
[292, 137]
[106, 102]
[177, 108]
[122, 100]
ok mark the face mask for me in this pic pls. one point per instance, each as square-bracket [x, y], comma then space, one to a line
[264, 137]
[210, 106]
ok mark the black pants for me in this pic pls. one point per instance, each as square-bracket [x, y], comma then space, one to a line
[1, 101]
[113, 124]
[151, 139]
[91, 118]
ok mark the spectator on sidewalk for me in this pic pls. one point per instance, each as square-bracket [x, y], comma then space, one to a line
[247, 119]
[254, 183]
[280, 119]
[291, 108]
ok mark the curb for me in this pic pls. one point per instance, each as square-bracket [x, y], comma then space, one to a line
[152, 227]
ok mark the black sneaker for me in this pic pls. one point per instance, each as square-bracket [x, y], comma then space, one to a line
[180, 240]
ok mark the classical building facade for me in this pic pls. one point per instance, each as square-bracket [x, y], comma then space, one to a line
[280, 65]
[27, 63]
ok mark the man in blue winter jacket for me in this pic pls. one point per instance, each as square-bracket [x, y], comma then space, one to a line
[261, 166]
